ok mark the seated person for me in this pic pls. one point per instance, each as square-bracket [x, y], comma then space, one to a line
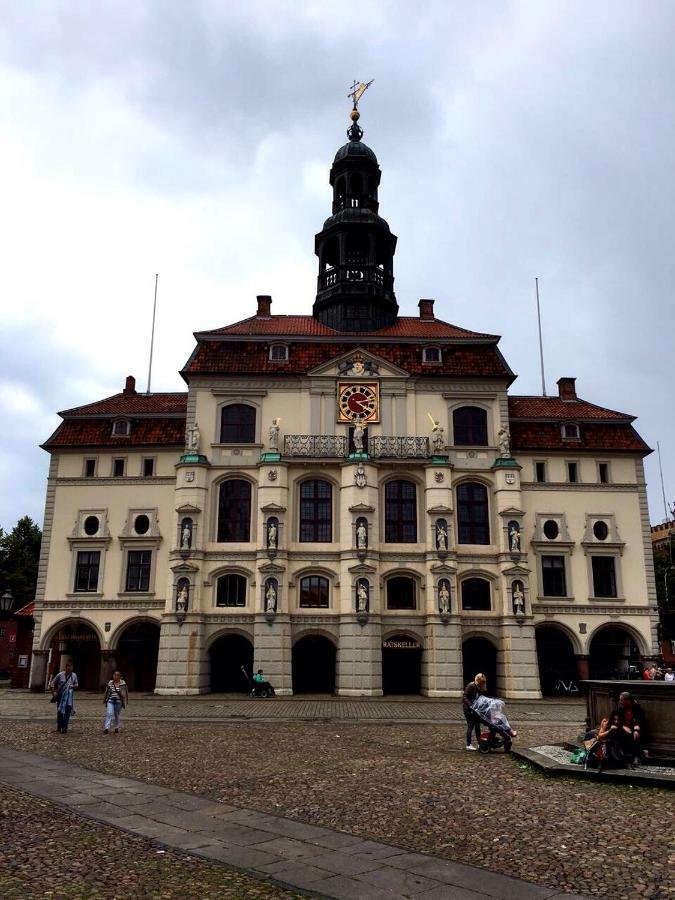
[632, 724]
[261, 682]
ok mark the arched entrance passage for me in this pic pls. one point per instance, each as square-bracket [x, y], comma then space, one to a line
[401, 664]
[480, 655]
[612, 650]
[314, 665]
[136, 657]
[228, 654]
[78, 642]
[555, 656]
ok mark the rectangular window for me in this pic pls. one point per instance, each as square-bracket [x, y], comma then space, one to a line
[572, 472]
[553, 576]
[89, 468]
[400, 512]
[540, 472]
[604, 576]
[118, 468]
[603, 473]
[86, 570]
[314, 592]
[148, 467]
[138, 570]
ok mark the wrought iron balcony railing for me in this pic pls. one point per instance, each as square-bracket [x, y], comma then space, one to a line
[336, 445]
[398, 447]
[315, 445]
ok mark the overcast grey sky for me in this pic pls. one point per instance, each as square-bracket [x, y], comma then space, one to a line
[194, 139]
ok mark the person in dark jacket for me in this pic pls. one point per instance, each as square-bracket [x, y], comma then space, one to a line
[473, 689]
[633, 725]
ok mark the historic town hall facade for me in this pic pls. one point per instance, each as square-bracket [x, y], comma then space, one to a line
[351, 500]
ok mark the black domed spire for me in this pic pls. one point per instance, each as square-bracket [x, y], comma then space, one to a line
[355, 247]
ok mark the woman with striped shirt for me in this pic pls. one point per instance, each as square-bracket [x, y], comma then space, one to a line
[116, 698]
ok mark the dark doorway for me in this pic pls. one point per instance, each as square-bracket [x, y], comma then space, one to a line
[228, 654]
[611, 653]
[480, 655]
[555, 656]
[314, 665]
[136, 657]
[401, 665]
[77, 642]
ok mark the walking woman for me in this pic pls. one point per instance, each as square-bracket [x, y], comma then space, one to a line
[63, 686]
[473, 689]
[116, 699]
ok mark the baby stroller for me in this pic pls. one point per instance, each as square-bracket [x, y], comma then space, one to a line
[258, 688]
[490, 712]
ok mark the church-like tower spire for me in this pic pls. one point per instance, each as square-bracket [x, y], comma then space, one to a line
[355, 290]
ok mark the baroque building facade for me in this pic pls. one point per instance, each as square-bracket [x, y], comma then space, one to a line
[351, 500]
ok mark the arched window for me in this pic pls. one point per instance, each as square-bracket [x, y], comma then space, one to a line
[400, 512]
[473, 520]
[469, 425]
[234, 511]
[314, 592]
[231, 590]
[237, 424]
[316, 511]
[475, 594]
[401, 593]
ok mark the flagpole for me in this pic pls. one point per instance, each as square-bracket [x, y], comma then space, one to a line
[152, 334]
[541, 343]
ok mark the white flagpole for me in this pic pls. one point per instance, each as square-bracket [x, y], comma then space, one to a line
[152, 334]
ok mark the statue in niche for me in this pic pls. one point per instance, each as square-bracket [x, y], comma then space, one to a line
[360, 477]
[274, 434]
[272, 533]
[183, 596]
[362, 596]
[441, 536]
[271, 597]
[437, 435]
[192, 438]
[361, 535]
[358, 434]
[518, 598]
[504, 442]
[444, 598]
[514, 537]
[186, 535]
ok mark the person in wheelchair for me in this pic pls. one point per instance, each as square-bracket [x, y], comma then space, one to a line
[261, 686]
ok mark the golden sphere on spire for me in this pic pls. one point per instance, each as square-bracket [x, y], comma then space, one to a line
[355, 115]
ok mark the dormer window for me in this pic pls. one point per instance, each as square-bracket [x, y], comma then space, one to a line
[279, 353]
[121, 427]
[570, 431]
[431, 355]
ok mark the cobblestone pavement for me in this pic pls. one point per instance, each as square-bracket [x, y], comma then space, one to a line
[49, 852]
[331, 863]
[23, 704]
[411, 785]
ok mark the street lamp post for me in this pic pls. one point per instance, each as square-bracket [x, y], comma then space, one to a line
[6, 602]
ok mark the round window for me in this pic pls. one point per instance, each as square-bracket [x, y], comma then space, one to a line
[91, 525]
[141, 524]
[600, 530]
[551, 529]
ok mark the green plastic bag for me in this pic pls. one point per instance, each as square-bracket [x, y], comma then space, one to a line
[578, 756]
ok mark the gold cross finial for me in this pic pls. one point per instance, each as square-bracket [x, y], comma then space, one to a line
[357, 91]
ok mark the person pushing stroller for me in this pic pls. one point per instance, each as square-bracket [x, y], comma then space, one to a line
[490, 711]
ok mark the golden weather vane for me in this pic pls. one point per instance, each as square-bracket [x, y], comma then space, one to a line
[358, 90]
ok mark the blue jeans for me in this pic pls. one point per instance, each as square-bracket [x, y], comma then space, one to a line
[113, 710]
[62, 719]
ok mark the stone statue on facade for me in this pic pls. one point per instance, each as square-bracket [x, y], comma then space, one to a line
[360, 477]
[518, 599]
[274, 434]
[362, 597]
[441, 537]
[444, 598]
[361, 536]
[437, 435]
[358, 435]
[270, 598]
[504, 442]
[272, 535]
[182, 599]
[186, 536]
[514, 538]
[192, 438]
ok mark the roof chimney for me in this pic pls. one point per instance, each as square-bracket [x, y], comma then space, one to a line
[264, 306]
[566, 389]
[130, 385]
[426, 309]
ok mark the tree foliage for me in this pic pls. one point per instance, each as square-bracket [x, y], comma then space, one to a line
[19, 557]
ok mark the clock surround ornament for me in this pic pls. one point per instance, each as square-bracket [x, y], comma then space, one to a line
[358, 400]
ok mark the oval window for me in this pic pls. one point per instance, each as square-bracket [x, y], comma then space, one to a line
[600, 530]
[141, 524]
[91, 525]
[551, 529]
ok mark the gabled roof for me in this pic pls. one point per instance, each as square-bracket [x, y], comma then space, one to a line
[132, 404]
[532, 407]
[81, 432]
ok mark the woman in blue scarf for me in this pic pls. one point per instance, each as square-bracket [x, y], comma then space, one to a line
[63, 686]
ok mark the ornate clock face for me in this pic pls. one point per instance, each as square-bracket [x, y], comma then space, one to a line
[358, 400]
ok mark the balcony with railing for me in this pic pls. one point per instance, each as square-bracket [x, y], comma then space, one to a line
[355, 273]
[382, 446]
[337, 446]
[313, 445]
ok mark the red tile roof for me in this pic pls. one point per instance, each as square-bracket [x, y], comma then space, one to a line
[80, 432]
[28, 610]
[308, 326]
[605, 438]
[132, 404]
[555, 408]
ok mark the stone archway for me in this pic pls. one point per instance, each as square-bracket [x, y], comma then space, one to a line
[136, 655]
[79, 642]
[611, 652]
[401, 664]
[314, 660]
[555, 657]
[480, 655]
[228, 654]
